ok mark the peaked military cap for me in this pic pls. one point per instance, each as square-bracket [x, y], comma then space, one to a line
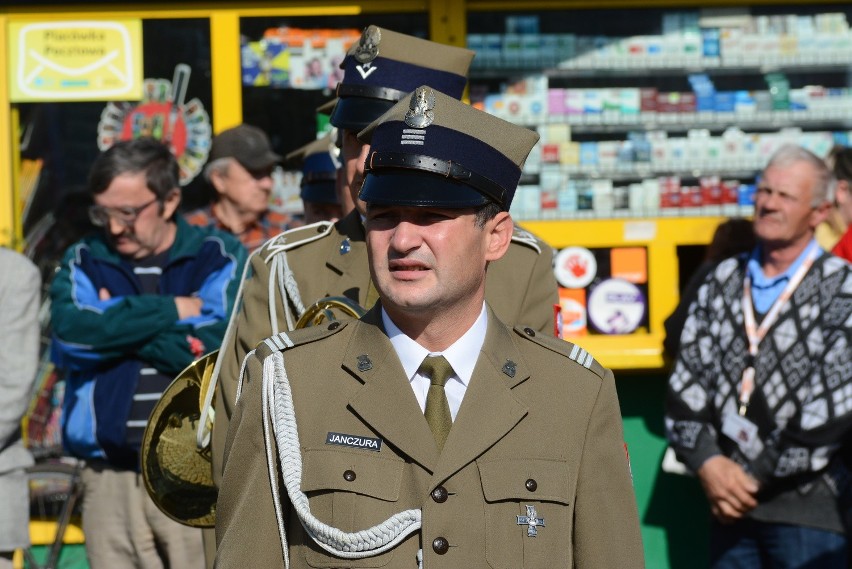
[384, 66]
[319, 162]
[432, 150]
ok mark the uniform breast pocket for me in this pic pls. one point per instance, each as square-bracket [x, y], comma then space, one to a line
[527, 513]
[350, 490]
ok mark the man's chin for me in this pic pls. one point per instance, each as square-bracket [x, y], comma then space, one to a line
[125, 247]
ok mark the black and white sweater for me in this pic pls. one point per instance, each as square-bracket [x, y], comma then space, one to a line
[802, 403]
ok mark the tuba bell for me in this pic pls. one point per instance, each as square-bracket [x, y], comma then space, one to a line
[177, 473]
[176, 469]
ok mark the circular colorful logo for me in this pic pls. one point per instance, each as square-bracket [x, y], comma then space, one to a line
[616, 306]
[575, 267]
[162, 114]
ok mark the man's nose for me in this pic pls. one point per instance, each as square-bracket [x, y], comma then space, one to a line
[116, 227]
[406, 236]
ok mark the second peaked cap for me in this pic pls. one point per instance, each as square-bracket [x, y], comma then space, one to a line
[319, 162]
[384, 66]
[433, 150]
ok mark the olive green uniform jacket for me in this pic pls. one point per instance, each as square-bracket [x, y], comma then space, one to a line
[332, 261]
[539, 426]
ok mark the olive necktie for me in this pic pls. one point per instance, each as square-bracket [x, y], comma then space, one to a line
[438, 370]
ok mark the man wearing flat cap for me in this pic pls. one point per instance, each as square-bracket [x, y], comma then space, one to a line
[319, 161]
[428, 433]
[239, 170]
[305, 265]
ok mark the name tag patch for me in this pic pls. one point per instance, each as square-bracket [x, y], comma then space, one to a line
[354, 441]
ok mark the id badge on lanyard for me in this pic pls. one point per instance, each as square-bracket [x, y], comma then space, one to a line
[757, 333]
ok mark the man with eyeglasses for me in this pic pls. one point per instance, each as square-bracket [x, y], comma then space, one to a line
[131, 307]
[760, 398]
[239, 171]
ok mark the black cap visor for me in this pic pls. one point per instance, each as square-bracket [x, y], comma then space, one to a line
[418, 189]
[355, 113]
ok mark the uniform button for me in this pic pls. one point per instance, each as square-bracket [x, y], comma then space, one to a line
[529, 331]
[349, 475]
[531, 485]
[439, 494]
[440, 545]
[334, 326]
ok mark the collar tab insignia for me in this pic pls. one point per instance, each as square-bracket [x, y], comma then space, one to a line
[364, 363]
[510, 368]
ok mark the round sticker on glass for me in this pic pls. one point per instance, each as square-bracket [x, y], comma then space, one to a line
[575, 267]
[616, 306]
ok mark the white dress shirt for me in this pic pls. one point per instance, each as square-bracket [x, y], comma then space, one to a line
[462, 355]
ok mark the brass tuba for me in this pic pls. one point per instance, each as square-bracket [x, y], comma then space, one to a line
[176, 469]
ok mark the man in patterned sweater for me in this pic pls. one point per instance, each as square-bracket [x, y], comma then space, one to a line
[760, 397]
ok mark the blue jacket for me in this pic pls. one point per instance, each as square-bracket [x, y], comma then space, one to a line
[103, 344]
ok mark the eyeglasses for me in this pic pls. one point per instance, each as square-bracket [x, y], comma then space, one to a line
[100, 215]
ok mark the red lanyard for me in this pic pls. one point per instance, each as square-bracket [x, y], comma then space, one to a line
[756, 334]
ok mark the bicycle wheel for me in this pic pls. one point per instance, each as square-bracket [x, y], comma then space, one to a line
[55, 527]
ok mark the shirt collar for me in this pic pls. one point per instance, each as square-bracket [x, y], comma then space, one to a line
[755, 271]
[411, 353]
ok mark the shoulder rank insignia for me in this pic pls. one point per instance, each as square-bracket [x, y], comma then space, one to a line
[286, 340]
[581, 356]
[524, 237]
[572, 351]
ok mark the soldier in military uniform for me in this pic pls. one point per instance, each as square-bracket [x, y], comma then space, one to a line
[307, 264]
[319, 163]
[428, 432]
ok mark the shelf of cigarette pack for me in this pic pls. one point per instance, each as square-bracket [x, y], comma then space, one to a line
[713, 120]
[622, 215]
[728, 168]
[593, 66]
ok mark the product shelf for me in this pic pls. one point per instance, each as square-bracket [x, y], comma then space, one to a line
[711, 120]
[642, 66]
[626, 171]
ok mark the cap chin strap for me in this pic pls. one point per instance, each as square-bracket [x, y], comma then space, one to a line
[447, 168]
[370, 92]
[278, 407]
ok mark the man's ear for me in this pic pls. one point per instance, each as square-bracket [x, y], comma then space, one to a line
[820, 214]
[171, 203]
[217, 179]
[500, 229]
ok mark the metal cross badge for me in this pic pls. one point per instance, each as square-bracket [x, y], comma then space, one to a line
[531, 521]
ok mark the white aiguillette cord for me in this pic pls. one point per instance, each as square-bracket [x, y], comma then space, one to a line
[756, 334]
[278, 406]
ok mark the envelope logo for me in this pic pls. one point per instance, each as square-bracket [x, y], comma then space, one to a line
[76, 60]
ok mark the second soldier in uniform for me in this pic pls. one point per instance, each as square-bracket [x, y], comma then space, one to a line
[307, 264]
